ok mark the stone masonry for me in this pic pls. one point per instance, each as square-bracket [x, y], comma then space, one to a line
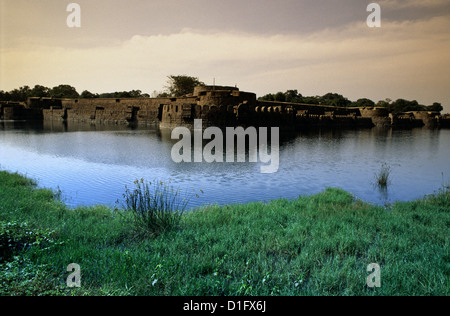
[216, 106]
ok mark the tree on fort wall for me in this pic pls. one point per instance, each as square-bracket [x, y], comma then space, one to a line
[364, 102]
[435, 107]
[182, 85]
[335, 99]
[64, 91]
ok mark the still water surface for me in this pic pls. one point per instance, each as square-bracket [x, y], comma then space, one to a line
[92, 164]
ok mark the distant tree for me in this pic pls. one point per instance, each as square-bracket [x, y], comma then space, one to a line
[88, 95]
[402, 105]
[383, 103]
[293, 96]
[363, 103]
[334, 99]
[122, 94]
[40, 91]
[280, 97]
[267, 97]
[20, 95]
[106, 95]
[4, 96]
[182, 85]
[64, 91]
[435, 107]
[311, 100]
[135, 93]
[163, 95]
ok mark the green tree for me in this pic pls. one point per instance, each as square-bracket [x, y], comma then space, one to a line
[20, 95]
[280, 97]
[182, 85]
[4, 96]
[64, 91]
[435, 107]
[363, 103]
[311, 100]
[88, 95]
[384, 103]
[123, 94]
[106, 95]
[293, 96]
[267, 97]
[162, 95]
[334, 99]
[402, 105]
[40, 91]
[136, 93]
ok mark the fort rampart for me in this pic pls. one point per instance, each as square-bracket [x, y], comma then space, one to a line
[218, 106]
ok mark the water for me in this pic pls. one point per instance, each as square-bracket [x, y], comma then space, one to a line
[92, 164]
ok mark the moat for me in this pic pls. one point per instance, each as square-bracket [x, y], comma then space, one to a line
[92, 163]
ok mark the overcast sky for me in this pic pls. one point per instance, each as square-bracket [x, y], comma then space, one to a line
[263, 46]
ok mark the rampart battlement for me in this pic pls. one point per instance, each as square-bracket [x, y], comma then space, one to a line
[218, 106]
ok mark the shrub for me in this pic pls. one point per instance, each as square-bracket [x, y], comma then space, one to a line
[382, 177]
[16, 237]
[156, 206]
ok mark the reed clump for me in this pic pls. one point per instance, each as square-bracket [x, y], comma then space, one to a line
[383, 176]
[157, 206]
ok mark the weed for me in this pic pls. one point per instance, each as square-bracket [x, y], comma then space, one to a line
[157, 206]
[382, 177]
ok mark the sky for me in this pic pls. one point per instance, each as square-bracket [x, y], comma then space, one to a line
[262, 46]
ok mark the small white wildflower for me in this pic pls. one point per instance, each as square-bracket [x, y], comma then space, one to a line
[298, 283]
[154, 282]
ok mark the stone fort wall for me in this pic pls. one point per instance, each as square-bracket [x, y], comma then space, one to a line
[223, 106]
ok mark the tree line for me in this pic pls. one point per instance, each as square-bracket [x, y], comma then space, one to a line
[63, 91]
[335, 99]
[182, 85]
[176, 86]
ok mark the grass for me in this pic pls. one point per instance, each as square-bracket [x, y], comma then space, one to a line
[157, 207]
[382, 177]
[313, 245]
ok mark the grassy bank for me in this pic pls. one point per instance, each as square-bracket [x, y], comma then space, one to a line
[314, 245]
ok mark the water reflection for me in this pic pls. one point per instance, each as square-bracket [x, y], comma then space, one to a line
[92, 163]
